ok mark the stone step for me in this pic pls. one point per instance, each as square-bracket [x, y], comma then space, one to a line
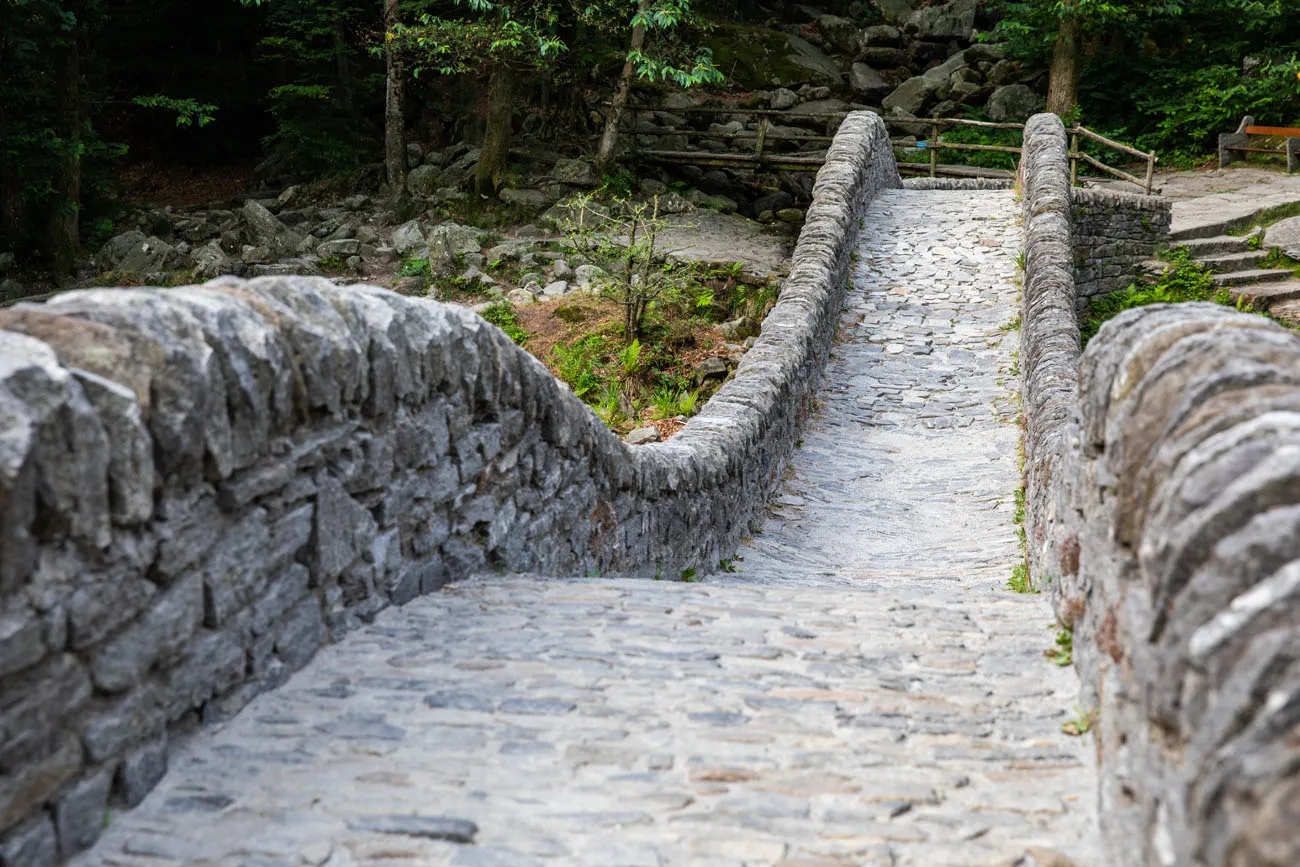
[1265, 296]
[1218, 244]
[1228, 263]
[1255, 275]
[1288, 310]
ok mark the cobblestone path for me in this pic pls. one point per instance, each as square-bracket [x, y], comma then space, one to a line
[860, 692]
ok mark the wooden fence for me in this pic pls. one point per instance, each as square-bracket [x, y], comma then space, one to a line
[766, 135]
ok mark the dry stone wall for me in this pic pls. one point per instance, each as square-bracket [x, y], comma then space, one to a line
[1164, 513]
[1114, 233]
[201, 486]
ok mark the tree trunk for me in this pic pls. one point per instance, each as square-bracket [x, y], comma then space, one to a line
[496, 140]
[341, 60]
[1067, 59]
[394, 126]
[11, 190]
[609, 141]
[64, 236]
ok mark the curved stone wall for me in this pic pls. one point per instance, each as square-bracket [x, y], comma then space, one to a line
[1163, 494]
[201, 486]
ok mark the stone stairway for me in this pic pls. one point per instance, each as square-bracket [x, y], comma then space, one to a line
[860, 690]
[1238, 265]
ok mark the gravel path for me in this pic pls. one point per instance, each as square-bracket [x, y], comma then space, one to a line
[860, 692]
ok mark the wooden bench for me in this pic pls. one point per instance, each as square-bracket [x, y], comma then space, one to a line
[1239, 142]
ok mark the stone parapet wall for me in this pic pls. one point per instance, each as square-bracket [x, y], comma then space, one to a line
[1163, 512]
[958, 183]
[1049, 352]
[1114, 233]
[199, 487]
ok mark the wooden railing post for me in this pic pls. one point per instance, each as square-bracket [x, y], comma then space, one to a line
[1074, 160]
[934, 150]
[762, 137]
[1151, 170]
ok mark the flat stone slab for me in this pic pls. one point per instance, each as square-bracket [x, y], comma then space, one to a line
[1285, 236]
[709, 236]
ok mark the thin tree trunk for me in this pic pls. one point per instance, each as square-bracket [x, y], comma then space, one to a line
[341, 60]
[496, 140]
[1067, 60]
[64, 235]
[609, 141]
[394, 125]
[11, 190]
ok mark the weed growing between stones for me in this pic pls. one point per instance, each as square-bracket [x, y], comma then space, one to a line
[1062, 650]
[1082, 722]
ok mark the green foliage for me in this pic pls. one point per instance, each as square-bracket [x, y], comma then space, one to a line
[629, 358]
[1186, 280]
[1019, 581]
[1082, 723]
[320, 125]
[414, 268]
[617, 186]
[577, 362]
[503, 316]
[333, 264]
[623, 240]
[187, 111]
[1062, 650]
[670, 402]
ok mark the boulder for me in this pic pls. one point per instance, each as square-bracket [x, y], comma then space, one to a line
[643, 435]
[578, 173]
[1285, 236]
[456, 238]
[210, 262]
[556, 289]
[262, 229]
[868, 84]
[881, 34]
[912, 96]
[773, 202]
[8, 261]
[11, 289]
[1013, 103]
[407, 238]
[897, 11]
[520, 297]
[422, 182]
[535, 199]
[839, 32]
[783, 98]
[813, 59]
[1003, 72]
[982, 51]
[340, 248]
[413, 155]
[882, 57]
[956, 20]
[134, 253]
[739, 329]
[710, 368]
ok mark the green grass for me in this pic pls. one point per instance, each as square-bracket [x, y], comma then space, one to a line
[1082, 722]
[503, 316]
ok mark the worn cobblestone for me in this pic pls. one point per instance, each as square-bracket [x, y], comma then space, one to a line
[860, 692]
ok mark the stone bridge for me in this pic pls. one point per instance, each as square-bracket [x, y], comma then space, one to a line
[288, 571]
